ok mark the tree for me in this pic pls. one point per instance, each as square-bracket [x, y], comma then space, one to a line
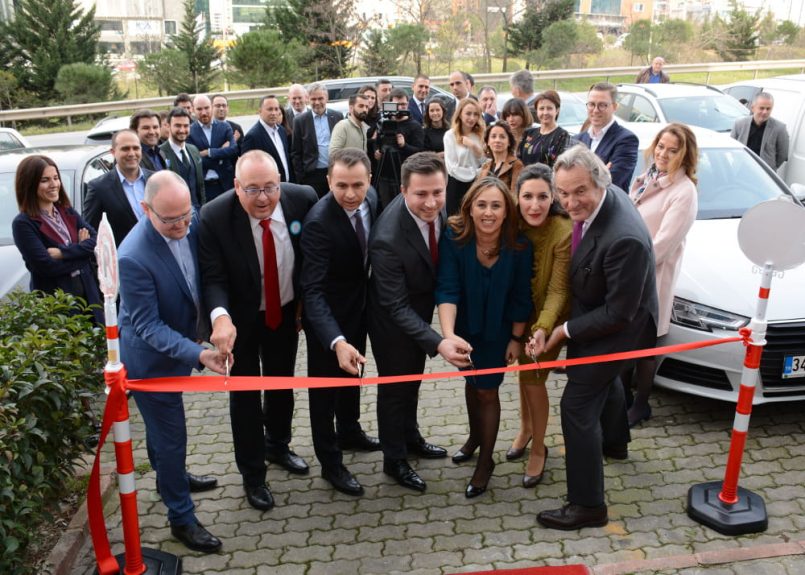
[525, 36]
[558, 40]
[167, 70]
[378, 54]
[638, 42]
[325, 27]
[81, 83]
[409, 40]
[197, 49]
[261, 58]
[787, 31]
[43, 36]
[741, 36]
[670, 35]
[449, 39]
[767, 29]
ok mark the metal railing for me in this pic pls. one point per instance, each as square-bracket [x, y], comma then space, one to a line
[555, 75]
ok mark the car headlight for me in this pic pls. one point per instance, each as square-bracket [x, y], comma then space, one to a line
[703, 317]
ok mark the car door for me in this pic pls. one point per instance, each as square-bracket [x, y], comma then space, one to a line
[96, 166]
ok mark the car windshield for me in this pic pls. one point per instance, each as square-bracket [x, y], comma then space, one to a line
[572, 112]
[717, 112]
[8, 202]
[730, 182]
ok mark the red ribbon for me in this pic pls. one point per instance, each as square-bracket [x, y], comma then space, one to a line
[107, 565]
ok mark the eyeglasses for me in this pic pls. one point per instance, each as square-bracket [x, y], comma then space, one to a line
[173, 221]
[255, 192]
[600, 105]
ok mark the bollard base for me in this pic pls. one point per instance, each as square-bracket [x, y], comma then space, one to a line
[747, 515]
[156, 562]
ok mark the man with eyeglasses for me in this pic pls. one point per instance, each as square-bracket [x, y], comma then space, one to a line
[120, 191]
[159, 333]
[250, 260]
[614, 144]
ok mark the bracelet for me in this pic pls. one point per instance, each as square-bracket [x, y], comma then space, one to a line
[519, 338]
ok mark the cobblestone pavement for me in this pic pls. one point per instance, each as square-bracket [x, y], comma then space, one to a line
[314, 529]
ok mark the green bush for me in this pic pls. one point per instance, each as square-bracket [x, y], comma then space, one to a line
[51, 363]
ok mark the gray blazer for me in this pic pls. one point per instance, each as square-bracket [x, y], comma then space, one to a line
[773, 148]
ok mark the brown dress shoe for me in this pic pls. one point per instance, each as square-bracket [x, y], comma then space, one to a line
[572, 517]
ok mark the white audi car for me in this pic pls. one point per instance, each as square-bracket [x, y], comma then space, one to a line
[718, 286]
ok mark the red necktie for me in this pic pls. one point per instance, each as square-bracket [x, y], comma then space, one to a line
[434, 248]
[271, 280]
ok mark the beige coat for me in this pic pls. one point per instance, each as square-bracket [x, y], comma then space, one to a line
[669, 208]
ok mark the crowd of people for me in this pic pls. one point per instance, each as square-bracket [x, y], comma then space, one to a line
[523, 239]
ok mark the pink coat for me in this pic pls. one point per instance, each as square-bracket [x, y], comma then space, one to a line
[668, 206]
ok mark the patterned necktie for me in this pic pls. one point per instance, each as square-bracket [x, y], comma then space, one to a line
[434, 248]
[360, 232]
[576, 239]
[271, 280]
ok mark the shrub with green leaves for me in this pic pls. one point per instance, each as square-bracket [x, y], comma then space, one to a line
[51, 361]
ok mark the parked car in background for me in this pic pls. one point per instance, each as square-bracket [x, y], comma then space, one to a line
[691, 104]
[11, 139]
[572, 114]
[77, 165]
[102, 132]
[717, 288]
[789, 108]
[339, 91]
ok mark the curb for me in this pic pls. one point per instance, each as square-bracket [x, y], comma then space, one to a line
[63, 556]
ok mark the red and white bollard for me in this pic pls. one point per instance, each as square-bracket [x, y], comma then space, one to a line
[724, 506]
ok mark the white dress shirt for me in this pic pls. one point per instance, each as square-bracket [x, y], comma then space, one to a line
[595, 138]
[275, 137]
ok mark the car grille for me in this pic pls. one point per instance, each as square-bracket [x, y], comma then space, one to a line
[781, 339]
[694, 374]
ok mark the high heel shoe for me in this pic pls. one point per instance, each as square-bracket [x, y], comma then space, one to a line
[515, 453]
[473, 491]
[461, 456]
[530, 481]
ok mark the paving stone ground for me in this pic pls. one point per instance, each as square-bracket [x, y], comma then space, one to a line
[316, 530]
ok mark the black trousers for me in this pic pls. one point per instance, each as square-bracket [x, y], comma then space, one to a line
[456, 189]
[317, 179]
[593, 416]
[213, 189]
[397, 405]
[260, 425]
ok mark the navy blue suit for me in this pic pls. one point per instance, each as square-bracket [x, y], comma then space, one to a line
[619, 146]
[221, 159]
[416, 113]
[158, 332]
[258, 139]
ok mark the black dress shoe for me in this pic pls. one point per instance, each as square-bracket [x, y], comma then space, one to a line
[259, 497]
[616, 452]
[515, 453]
[530, 481]
[571, 517]
[473, 491]
[358, 442]
[201, 482]
[195, 537]
[460, 457]
[290, 461]
[403, 474]
[426, 450]
[342, 480]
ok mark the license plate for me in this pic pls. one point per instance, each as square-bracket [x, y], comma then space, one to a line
[794, 366]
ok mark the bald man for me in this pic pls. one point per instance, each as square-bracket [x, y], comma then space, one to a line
[216, 144]
[159, 319]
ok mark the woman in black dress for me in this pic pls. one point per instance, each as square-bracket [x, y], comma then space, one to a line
[543, 144]
[435, 126]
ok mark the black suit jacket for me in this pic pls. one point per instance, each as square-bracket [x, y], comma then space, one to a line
[334, 281]
[230, 271]
[174, 163]
[258, 139]
[105, 194]
[401, 292]
[147, 164]
[613, 289]
[305, 147]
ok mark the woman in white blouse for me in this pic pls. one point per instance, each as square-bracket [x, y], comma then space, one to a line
[463, 151]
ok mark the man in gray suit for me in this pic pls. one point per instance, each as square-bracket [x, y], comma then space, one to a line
[764, 135]
[613, 309]
[182, 157]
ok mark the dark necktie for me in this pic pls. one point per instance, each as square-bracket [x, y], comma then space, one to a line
[422, 109]
[576, 239]
[183, 156]
[271, 280]
[360, 232]
[434, 248]
[155, 159]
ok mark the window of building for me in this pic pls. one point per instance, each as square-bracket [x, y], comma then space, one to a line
[605, 7]
[111, 25]
[637, 7]
[170, 27]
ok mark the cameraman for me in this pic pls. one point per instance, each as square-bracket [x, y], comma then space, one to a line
[399, 137]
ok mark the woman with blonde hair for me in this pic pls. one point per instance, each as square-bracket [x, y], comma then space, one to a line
[667, 199]
[463, 151]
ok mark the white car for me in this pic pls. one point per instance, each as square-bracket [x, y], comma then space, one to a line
[102, 132]
[11, 139]
[717, 288]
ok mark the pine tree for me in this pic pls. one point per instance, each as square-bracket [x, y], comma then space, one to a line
[44, 36]
[199, 51]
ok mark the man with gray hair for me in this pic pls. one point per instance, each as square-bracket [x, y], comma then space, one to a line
[159, 333]
[522, 86]
[654, 73]
[297, 102]
[764, 135]
[613, 309]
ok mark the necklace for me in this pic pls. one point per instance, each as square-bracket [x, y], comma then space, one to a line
[489, 252]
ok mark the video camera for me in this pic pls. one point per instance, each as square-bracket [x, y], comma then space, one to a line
[388, 133]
